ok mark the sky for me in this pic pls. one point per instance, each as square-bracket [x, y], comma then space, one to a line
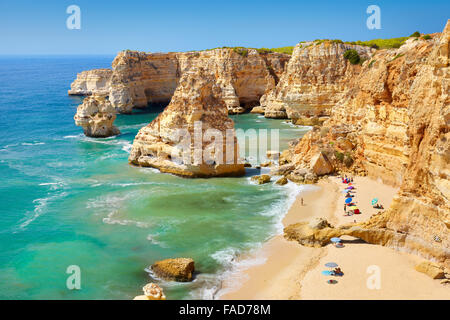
[107, 27]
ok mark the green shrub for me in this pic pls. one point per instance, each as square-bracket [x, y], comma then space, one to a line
[371, 63]
[287, 50]
[415, 34]
[397, 56]
[241, 51]
[348, 160]
[352, 56]
[339, 155]
[426, 37]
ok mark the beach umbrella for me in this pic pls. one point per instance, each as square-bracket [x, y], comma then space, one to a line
[374, 201]
[327, 273]
[348, 200]
[335, 239]
[353, 208]
[331, 264]
[351, 187]
[344, 191]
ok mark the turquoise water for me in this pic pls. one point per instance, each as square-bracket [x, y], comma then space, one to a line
[71, 200]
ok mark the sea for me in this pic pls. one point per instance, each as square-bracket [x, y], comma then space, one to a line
[69, 202]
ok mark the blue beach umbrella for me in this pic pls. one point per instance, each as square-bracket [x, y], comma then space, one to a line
[327, 273]
[374, 201]
[331, 264]
[335, 240]
[349, 200]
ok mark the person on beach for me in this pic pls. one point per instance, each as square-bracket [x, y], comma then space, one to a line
[302, 201]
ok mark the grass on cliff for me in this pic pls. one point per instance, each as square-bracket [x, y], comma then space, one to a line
[375, 43]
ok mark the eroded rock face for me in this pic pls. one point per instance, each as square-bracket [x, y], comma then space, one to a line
[432, 270]
[96, 115]
[179, 269]
[95, 81]
[173, 141]
[151, 292]
[393, 124]
[138, 78]
[316, 78]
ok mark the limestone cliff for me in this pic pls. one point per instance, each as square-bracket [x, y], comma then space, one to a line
[316, 77]
[93, 81]
[193, 136]
[393, 124]
[96, 115]
[139, 78]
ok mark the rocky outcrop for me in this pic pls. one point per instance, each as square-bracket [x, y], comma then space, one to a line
[179, 269]
[151, 292]
[393, 124]
[431, 269]
[193, 136]
[262, 179]
[91, 82]
[316, 78]
[96, 115]
[138, 78]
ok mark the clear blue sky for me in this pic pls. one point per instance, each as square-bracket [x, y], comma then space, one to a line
[39, 27]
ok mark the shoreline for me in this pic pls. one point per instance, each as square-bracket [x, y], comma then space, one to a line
[292, 271]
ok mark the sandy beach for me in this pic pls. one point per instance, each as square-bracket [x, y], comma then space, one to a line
[292, 271]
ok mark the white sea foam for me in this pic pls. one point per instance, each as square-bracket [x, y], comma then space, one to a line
[134, 126]
[40, 208]
[231, 259]
[110, 219]
[36, 143]
[78, 136]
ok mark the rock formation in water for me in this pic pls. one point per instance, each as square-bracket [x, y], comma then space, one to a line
[193, 136]
[393, 124]
[316, 78]
[138, 78]
[95, 81]
[96, 115]
[151, 292]
[179, 269]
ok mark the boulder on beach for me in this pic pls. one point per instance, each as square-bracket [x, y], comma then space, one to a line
[433, 270]
[264, 178]
[151, 292]
[178, 269]
[282, 181]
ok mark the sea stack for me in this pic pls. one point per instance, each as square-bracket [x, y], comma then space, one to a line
[96, 115]
[193, 136]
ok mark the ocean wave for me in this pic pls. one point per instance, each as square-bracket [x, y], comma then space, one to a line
[124, 222]
[231, 259]
[232, 269]
[78, 136]
[40, 208]
[134, 126]
[154, 240]
[36, 143]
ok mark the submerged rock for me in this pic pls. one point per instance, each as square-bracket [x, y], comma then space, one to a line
[179, 269]
[96, 116]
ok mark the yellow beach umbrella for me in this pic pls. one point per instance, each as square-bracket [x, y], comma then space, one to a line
[353, 208]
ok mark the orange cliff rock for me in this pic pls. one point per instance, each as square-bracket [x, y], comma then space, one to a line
[197, 108]
[138, 78]
[316, 77]
[393, 124]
